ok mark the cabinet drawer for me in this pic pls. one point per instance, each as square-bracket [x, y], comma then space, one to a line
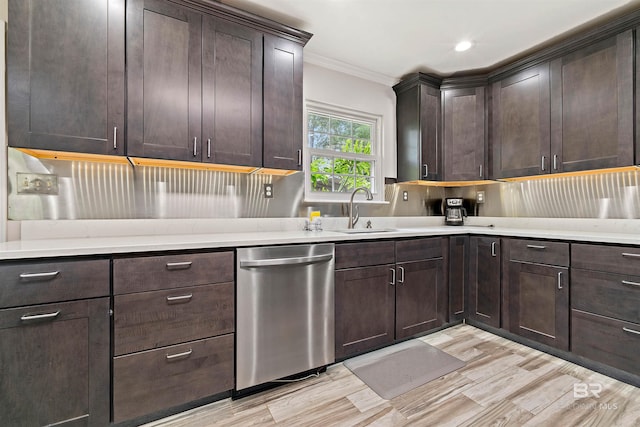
[609, 341]
[615, 259]
[419, 249]
[351, 255]
[539, 252]
[26, 283]
[607, 294]
[147, 320]
[154, 380]
[141, 274]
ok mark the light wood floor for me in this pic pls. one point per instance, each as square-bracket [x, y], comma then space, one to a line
[503, 384]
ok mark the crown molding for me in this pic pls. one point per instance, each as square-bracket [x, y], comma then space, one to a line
[343, 67]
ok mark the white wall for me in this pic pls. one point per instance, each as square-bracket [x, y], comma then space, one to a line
[333, 87]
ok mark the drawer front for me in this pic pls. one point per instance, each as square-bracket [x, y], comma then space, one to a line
[605, 340]
[155, 380]
[539, 252]
[141, 274]
[148, 320]
[607, 294]
[352, 255]
[26, 283]
[419, 249]
[614, 259]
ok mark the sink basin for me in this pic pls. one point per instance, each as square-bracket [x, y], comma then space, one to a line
[365, 230]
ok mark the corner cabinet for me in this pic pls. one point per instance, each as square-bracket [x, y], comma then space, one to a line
[592, 106]
[463, 129]
[65, 75]
[418, 115]
[54, 330]
[484, 280]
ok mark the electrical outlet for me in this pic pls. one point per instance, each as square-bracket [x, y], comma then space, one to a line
[480, 197]
[268, 191]
[37, 183]
[405, 195]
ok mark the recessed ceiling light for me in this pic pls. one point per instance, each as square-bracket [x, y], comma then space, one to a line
[463, 45]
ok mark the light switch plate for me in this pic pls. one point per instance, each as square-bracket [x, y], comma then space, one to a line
[37, 183]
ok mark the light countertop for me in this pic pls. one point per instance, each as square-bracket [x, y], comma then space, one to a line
[239, 233]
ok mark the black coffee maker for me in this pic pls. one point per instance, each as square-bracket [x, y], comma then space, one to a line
[454, 212]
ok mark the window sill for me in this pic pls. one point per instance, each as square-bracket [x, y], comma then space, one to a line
[355, 201]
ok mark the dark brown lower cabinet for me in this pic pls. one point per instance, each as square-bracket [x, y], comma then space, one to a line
[365, 309]
[54, 360]
[159, 379]
[458, 277]
[484, 280]
[539, 303]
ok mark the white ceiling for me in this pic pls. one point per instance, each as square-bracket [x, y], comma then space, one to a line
[388, 39]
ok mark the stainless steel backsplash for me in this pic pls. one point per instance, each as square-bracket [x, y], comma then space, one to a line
[88, 190]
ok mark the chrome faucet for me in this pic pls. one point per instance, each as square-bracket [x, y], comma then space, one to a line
[354, 219]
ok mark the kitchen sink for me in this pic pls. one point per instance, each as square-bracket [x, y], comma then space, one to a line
[365, 230]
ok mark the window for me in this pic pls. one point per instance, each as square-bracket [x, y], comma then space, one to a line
[342, 153]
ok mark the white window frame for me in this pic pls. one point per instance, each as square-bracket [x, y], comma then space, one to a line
[376, 153]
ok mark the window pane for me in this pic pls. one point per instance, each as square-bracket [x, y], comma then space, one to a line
[364, 168]
[344, 166]
[340, 143]
[340, 127]
[319, 140]
[343, 183]
[321, 164]
[361, 146]
[361, 131]
[318, 123]
[321, 182]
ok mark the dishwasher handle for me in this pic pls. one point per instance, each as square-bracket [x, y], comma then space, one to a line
[277, 262]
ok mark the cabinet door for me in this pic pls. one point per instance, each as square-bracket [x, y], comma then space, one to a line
[55, 368]
[283, 104]
[484, 280]
[520, 127]
[418, 123]
[463, 130]
[231, 93]
[163, 80]
[419, 286]
[539, 303]
[365, 309]
[458, 275]
[65, 72]
[592, 106]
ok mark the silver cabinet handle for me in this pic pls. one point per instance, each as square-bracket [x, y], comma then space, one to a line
[274, 262]
[181, 298]
[559, 280]
[630, 255]
[393, 276]
[179, 265]
[493, 249]
[195, 146]
[626, 282]
[555, 162]
[209, 148]
[32, 276]
[425, 168]
[299, 157]
[45, 316]
[537, 247]
[543, 162]
[187, 353]
[401, 279]
[631, 331]
[115, 137]
[480, 171]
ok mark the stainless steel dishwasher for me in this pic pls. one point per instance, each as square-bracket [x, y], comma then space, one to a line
[285, 311]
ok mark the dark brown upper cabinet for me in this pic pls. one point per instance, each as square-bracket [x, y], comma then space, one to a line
[164, 48]
[464, 134]
[231, 93]
[520, 131]
[418, 115]
[592, 106]
[65, 75]
[283, 120]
